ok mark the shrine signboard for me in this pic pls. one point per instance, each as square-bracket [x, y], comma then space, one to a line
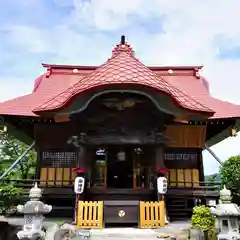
[58, 159]
[182, 157]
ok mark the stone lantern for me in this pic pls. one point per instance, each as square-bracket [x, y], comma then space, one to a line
[33, 212]
[227, 214]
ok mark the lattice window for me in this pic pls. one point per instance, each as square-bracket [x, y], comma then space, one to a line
[181, 156]
[58, 159]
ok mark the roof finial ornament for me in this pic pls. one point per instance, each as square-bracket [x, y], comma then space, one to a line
[122, 39]
[123, 46]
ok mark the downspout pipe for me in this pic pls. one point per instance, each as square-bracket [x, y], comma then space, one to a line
[213, 154]
[17, 161]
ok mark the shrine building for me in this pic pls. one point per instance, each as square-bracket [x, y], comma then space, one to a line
[121, 123]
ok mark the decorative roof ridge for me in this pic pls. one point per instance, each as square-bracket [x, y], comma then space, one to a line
[162, 79]
[123, 46]
[56, 66]
[175, 67]
[38, 82]
[152, 67]
[70, 87]
[195, 100]
[39, 108]
[175, 88]
[120, 49]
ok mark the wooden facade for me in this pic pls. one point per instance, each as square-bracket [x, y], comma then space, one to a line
[182, 156]
[121, 123]
[117, 183]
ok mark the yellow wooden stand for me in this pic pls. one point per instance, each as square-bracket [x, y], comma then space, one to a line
[152, 214]
[90, 214]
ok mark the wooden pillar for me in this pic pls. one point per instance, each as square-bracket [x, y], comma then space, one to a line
[38, 165]
[82, 155]
[159, 157]
[159, 151]
[201, 167]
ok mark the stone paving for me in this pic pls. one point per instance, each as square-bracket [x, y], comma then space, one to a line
[120, 233]
[136, 233]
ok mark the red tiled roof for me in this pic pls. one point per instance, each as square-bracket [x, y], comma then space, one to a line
[198, 88]
[124, 68]
[54, 89]
[45, 88]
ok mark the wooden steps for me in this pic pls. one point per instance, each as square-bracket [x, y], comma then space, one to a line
[179, 208]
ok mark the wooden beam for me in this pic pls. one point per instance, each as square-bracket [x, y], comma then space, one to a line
[180, 120]
[62, 118]
[130, 139]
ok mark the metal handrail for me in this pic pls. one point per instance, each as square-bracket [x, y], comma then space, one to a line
[213, 154]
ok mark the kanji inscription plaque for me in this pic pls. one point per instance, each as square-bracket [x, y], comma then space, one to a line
[182, 158]
[59, 159]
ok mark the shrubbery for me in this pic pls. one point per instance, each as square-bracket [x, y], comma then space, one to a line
[202, 218]
[9, 198]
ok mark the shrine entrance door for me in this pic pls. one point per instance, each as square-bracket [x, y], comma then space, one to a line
[120, 167]
[125, 166]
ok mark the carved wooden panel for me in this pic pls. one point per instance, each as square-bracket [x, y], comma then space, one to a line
[187, 136]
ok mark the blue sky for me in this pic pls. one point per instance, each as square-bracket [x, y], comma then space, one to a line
[187, 32]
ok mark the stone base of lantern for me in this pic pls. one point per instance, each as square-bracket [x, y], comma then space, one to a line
[229, 235]
[31, 235]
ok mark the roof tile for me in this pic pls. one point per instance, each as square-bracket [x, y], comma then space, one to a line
[124, 68]
[53, 92]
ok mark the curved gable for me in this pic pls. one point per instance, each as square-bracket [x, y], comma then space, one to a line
[123, 68]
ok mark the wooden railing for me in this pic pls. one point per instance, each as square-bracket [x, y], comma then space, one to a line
[191, 186]
[194, 185]
[28, 183]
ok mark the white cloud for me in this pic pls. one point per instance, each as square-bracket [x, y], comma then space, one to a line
[13, 87]
[28, 37]
[190, 30]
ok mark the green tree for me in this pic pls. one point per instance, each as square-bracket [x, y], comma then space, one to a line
[230, 176]
[10, 149]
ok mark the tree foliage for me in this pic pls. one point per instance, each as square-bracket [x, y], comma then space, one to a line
[10, 149]
[230, 176]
